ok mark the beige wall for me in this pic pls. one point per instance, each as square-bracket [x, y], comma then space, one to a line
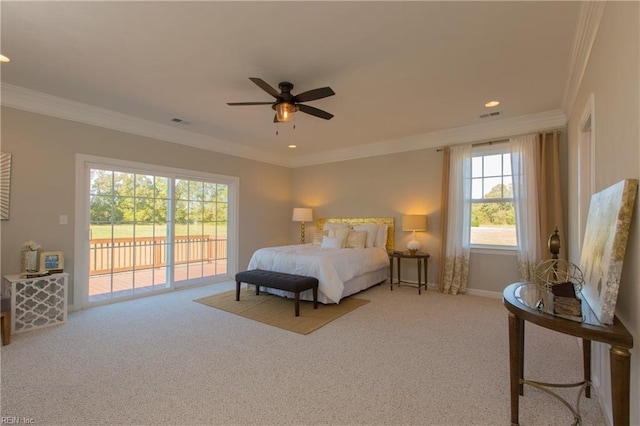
[43, 183]
[613, 76]
[395, 185]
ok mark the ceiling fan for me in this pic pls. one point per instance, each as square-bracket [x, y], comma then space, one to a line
[287, 104]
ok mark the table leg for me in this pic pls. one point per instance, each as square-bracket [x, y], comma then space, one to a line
[419, 276]
[426, 279]
[515, 359]
[399, 279]
[521, 356]
[620, 365]
[391, 272]
[586, 365]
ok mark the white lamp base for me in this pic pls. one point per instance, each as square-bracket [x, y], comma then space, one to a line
[414, 246]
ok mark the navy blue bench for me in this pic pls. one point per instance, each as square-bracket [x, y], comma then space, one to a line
[280, 281]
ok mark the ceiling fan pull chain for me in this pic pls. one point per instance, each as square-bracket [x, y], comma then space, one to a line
[276, 129]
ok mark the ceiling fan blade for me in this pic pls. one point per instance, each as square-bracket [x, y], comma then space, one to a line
[249, 103]
[314, 94]
[315, 111]
[265, 86]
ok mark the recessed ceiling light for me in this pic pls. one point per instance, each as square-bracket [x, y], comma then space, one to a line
[4, 59]
[492, 104]
[293, 146]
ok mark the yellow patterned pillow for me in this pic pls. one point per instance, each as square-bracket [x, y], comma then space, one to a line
[356, 239]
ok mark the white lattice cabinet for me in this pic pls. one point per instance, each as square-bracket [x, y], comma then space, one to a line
[38, 302]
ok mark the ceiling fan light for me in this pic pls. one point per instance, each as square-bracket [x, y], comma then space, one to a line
[285, 111]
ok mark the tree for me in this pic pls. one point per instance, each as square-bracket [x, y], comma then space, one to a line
[494, 213]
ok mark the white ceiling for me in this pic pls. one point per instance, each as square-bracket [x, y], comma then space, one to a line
[401, 70]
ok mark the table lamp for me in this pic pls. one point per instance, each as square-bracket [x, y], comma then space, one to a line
[414, 223]
[302, 215]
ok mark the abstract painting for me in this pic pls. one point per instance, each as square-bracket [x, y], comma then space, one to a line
[604, 246]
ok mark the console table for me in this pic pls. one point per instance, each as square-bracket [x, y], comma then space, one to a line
[37, 302]
[523, 302]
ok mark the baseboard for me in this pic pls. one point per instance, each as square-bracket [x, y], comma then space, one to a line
[470, 291]
[484, 293]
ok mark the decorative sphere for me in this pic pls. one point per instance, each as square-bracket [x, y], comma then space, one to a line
[557, 271]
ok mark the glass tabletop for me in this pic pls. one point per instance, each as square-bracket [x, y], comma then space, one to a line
[542, 301]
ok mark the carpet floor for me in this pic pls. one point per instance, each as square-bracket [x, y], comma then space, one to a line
[402, 359]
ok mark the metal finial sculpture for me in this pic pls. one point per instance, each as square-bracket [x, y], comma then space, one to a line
[554, 244]
[557, 271]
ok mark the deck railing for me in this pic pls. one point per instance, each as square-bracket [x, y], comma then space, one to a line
[108, 255]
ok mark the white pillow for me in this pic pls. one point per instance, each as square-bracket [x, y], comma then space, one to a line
[341, 233]
[356, 239]
[381, 237]
[372, 231]
[332, 225]
[331, 242]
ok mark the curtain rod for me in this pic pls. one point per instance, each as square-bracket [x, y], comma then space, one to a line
[480, 143]
[496, 141]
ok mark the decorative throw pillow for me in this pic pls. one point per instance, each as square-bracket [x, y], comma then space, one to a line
[317, 237]
[372, 231]
[356, 239]
[331, 242]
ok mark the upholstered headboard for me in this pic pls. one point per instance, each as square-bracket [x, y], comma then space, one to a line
[390, 221]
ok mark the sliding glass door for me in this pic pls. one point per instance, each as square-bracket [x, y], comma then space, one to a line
[151, 231]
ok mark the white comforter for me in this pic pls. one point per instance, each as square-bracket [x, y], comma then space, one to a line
[332, 267]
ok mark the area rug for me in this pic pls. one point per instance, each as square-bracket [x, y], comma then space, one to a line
[279, 311]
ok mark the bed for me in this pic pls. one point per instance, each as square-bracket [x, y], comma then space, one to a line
[341, 271]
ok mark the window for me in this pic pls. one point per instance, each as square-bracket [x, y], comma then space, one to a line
[493, 220]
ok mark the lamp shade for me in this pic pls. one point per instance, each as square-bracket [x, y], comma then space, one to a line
[415, 222]
[301, 214]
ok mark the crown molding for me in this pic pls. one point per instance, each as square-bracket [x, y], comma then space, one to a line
[41, 103]
[589, 16]
[497, 129]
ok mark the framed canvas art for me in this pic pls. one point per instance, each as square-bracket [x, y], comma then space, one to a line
[604, 246]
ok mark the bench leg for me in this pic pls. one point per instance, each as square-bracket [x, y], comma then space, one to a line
[315, 298]
[297, 299]
[257, 290]
[237, 291]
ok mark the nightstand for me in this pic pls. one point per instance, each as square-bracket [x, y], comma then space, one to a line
[421, 258]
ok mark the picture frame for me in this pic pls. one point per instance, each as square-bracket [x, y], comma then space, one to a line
[604, 246]
[52, 261]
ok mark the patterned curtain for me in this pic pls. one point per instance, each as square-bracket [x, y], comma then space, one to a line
[525, 200]
[550, 192]
[456, 218]
[537, 193]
